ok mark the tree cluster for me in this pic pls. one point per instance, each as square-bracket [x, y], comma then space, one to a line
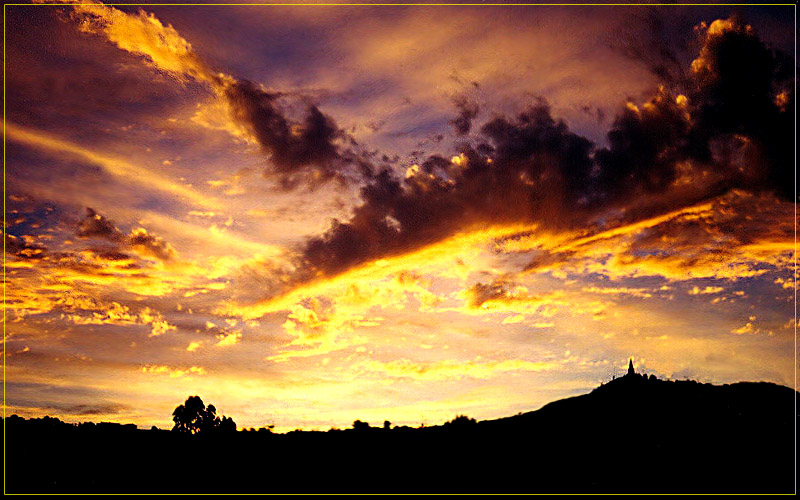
[195, 417]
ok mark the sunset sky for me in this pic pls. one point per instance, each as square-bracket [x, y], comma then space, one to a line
[309, 215]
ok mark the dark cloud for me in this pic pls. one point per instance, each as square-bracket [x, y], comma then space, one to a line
[646, 145]
[112, 255]
[596, 113]
[515, 177]
[729, 127]
[743, 94]
[305, 151]
[23, 248]
[96, 226]
[92, 226]
[479, 293]
[541, 156]
[153, 245]
[718, 234]
[650, 39]
[546, 259]
[467, 111]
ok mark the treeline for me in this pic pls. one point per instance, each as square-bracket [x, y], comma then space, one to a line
[631, 435]
[54, 424]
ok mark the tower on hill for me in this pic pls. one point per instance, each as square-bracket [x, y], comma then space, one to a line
[631, 371]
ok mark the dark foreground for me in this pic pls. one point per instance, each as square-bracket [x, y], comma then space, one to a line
[630, 435]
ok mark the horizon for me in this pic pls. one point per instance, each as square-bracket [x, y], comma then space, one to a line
[382, 424]
[310, 215]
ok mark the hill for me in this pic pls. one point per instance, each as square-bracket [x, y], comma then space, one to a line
[633, 434]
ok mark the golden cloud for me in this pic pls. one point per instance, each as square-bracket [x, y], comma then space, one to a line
[173, 372]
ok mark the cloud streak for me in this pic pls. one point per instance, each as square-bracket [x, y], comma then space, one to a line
[117, 167]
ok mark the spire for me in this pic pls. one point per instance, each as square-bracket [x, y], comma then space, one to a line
[630, 368]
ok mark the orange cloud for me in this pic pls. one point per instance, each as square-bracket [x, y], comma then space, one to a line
[229, 339]
[173, 372]
[143, 34]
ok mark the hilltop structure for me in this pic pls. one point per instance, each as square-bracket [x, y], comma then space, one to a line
[631, 371]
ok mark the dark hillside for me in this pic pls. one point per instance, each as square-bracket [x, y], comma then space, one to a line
[630, 435]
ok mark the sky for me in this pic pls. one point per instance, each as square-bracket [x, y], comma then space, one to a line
[309, 215]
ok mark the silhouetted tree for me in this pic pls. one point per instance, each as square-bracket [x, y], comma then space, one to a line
[360, 426]
[193, 416]
[227, 424]
[387, 425]
[460, 422]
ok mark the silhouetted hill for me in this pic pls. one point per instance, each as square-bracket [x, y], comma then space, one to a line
[634, 397]
[638, 434]
[632, 434]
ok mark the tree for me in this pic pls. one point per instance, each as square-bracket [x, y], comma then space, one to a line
[227, 424]
[360, 426]
[194, 417]
[460, 422]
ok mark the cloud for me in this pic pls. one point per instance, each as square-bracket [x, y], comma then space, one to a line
[174, 372]
[142, 34]
[707, 290]
[592, 240]
[533, 169]
[505, 297]
[115, 166]
[75, 307]
[646, 38]
[94, 225]
[139, 239]
[528, 169]
[319, 327]
[467, 111]
[158, 324]
[80, 308]
[743, 93]
[323, 320]
[676, 149]
[228, 339]
[717, 239]
[305, 150]
[445, 197]
[23, 248]
[747, 328]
